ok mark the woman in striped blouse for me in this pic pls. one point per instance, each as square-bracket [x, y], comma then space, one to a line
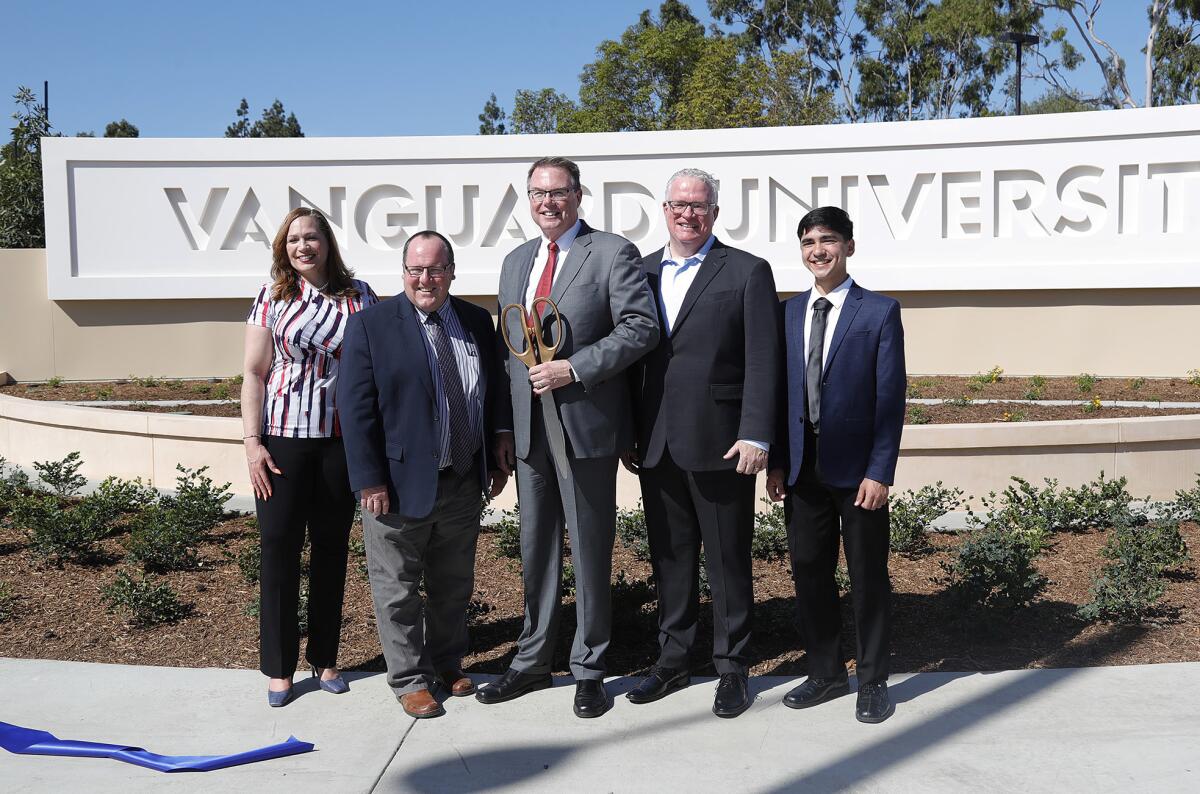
[294, 446]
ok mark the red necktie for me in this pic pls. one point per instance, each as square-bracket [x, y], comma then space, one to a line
[543, 285]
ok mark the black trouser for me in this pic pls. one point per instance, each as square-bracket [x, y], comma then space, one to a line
[313, 492]
[683, 510]
[816, 515]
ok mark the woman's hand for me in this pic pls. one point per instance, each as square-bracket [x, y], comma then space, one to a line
[260, 462]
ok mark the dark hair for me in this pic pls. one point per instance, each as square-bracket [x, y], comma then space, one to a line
[286, 281]
[428, 233]
[833, 218]
[556, 162]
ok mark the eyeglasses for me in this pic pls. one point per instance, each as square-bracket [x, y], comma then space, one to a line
[698, 207]
[433, 272]
[558, 194]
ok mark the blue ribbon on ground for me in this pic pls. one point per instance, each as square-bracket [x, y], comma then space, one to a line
[27, 741]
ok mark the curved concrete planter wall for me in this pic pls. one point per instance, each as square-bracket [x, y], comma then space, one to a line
[1158, 455]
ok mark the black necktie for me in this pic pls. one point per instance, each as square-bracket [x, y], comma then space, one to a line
[816, 352]
[462, 446]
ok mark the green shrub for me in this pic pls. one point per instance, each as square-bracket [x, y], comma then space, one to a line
[146, 601]
[221, 392]
[508, 533]
[147, 382]
[705, 587]
[62, 476]
[568, 579]
[918, 415]
[911, 515]
[302, 608]
[160, 542]
[631, 529]
[249, 562]
[1123, 593]
[54, 382]
[122, 497]
[841, 577]
[958, 402]
[8, 601]
[1036, 389]
[1186, 506]
[14, 484]
[196, 504]
[630, 594]
[1136, 384]
[60, 534]
[770, 539]
[1158, 545]
[1194, 377]
[1038, 512]
[1085, 382]
[979, 380]
[994, 568]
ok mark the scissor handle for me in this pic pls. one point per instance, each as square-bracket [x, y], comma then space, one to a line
[547, 352]
[529, 353]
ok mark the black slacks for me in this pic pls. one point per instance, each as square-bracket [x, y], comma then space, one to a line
[683, 510]
[816, 515]
[314, 493]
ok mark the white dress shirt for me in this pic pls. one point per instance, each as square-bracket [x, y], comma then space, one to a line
[676, 275]
[837, 296]
[564, 242]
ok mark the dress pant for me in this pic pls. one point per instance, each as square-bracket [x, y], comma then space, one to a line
[314, 493]
[683, 510]
[816, 515]
[586, 503]
[418, 641]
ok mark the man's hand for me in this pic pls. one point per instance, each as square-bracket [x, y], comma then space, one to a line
[632, 461]
[776, 487]
[496, 482]
[374, 499]
[550, 376]
[504, 449]
[751, 459]
[872, 495]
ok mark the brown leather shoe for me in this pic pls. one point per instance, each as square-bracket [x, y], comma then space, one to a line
[421, 704]
[456, 682]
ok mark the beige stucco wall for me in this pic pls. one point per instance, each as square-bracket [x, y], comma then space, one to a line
[1048, 332]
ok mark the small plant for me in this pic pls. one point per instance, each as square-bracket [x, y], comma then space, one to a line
[916, 388]
[958, 402]
[14, 484]
[841, 578]
[1092, 406]
[148, 382]
[59, 534]
[202, 388]
[1157, 544]
[62, 476]
[631, 529]
[54, 382]
[1037, 512]
[1085, 382]
[1186, 506]
[918, 415]
[302, 609]
[146, 601]
[249, 562]
[770, 539]
[160, 543]
[221, 392]
[994, 568]
[1036, 390]
[631, 594]
[568, 579]
[119, 496]
[979, 380]
[8, 601]
[911, 516]
[1013, 415]
[236, 380]
[1129, 587]
[508, 534]
[1194, 377]
[1136, 384]
[104, 393]
[197, 505]
[172, 385]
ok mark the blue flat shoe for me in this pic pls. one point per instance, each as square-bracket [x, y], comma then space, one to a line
[336, 685]
[280, 699]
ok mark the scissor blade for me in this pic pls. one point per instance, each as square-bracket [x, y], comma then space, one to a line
[555, 436]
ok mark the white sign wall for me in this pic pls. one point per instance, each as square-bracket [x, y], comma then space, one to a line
[1088, 200]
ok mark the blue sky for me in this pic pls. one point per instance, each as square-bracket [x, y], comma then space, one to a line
[359, 68]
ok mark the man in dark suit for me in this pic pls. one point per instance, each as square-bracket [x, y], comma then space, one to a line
[705, 404]
[414, 391]
[581, 399]
[836, 460]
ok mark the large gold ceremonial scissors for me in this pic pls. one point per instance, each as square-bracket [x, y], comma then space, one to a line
[535, 349]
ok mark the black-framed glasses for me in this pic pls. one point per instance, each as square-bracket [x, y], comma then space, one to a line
[698, 207]
[558, 194]
[433, 272]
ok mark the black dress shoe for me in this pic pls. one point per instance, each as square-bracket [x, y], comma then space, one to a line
[511, 685]
[873, 705]
[732, 697]
[661, 682]
[590, 698]
[815, 691]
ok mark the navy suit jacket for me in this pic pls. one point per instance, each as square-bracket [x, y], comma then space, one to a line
[387, 406]
[862, 392]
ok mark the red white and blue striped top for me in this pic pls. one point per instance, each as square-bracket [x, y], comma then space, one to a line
[307, 336]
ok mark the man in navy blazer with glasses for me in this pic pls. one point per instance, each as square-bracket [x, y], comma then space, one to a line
[835, 459]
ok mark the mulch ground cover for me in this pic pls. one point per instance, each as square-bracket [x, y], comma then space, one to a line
[59, 613]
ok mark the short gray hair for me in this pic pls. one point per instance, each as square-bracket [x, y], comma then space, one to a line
[695, 173]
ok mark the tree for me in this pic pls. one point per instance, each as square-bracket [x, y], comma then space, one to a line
[120, 129]
[273, 124]
[1056, 101]
[1173, 53]
[22, 221]
[544, 111]
[491, 120]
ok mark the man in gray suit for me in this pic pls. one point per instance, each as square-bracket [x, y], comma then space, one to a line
[608, 323]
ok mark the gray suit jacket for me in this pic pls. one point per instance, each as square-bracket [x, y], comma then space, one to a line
[608, 323]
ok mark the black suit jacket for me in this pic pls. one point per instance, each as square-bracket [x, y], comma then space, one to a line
[387, 406]
[715, 378]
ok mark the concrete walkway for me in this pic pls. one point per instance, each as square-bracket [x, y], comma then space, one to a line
[1094, 729]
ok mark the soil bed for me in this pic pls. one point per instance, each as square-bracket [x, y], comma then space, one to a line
[58, 613]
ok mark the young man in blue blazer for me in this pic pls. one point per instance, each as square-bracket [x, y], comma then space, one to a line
[835, 459]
